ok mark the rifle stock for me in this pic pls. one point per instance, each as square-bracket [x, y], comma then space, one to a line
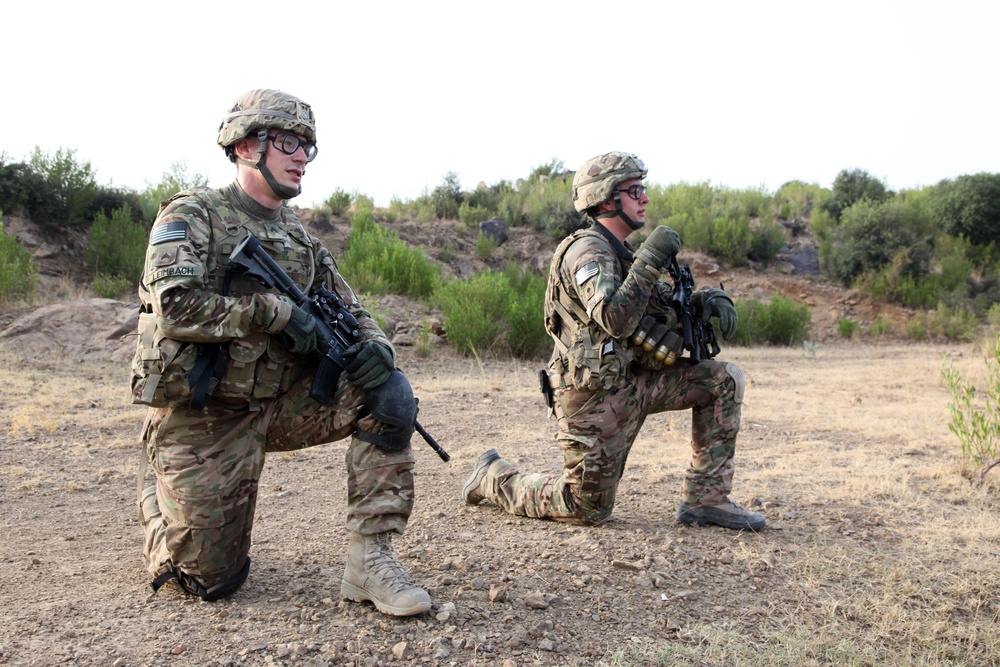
[338, 327]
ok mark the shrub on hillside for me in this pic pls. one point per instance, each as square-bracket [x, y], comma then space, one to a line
[72, 185]
[377, 261]
[779, 322]
[496, 311]
[969, 206]
[117, 245]
[873, 234]
[851, 186]
[18, 271]
[175, 180]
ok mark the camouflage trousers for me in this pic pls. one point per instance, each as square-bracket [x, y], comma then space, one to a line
[596, 432]
[208, 465]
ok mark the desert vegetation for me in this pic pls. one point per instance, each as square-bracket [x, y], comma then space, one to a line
[874, 455]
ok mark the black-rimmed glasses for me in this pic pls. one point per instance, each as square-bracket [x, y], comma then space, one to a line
[635, 191]
[289, 143]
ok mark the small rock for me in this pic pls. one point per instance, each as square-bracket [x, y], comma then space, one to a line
[402, 651]
[536, 601]
[498, 592]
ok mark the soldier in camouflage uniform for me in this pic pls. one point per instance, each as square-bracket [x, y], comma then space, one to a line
[226, 367]
[600, 295]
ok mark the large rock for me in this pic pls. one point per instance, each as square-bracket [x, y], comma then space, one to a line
[76, 330]
[494, 228]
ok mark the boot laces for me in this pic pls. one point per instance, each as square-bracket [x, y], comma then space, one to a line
[381, 561]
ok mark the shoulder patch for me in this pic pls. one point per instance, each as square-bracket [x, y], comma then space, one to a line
[169, 231]
[586, 272]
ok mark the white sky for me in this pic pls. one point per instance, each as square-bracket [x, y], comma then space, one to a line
[741, 94]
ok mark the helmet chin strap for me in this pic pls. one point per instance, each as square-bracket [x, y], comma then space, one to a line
[280, 191]
[619, 213]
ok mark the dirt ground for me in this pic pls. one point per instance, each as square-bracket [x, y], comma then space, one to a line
[878, 550]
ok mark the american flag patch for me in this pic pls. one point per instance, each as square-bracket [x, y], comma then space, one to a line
[585, 273]
[170, 231]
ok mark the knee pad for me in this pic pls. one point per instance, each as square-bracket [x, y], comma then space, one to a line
[192, 586]
[393, 404]
[736, 373]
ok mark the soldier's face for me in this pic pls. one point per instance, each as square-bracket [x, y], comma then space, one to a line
[633, 208]
[287, 169]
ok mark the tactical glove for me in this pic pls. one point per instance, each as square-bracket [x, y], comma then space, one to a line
[662, 244]
[301, 335]
[369, 364]
[715, 302]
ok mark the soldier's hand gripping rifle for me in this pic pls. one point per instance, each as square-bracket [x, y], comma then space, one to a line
[338, 327]
[699, 337]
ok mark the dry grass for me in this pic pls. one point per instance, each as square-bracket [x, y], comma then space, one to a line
[890, 554]
[881, 551]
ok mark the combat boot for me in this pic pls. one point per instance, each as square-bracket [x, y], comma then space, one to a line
[373, 573]
[727, 515]
[473, 490]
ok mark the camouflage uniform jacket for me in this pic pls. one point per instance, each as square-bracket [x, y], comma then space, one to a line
[594, 300]
[191, 303]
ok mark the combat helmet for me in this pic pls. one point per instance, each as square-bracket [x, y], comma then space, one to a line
[598, 178]
[259, 110]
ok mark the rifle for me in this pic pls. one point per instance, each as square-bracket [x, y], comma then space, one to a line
[699, 337]
[338, 327]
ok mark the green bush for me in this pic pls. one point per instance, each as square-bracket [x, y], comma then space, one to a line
[376, 260]
[71, 183]
[18, 271]
[975, 423]
[876, 233]
[796, 200]
[338, 203]
[171, 182]
[916, 329]
[969, 206]
[779, 322]
[850, 187]
[847, 328]
[496, 311]
[880, 326]
[485, 245]
[111, 287]
[953, 322]
[117, 245]
[732, 225]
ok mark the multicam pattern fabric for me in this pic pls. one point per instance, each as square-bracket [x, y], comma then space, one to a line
[266, 108]
[597, 426]
[597, 177]
[208, 462]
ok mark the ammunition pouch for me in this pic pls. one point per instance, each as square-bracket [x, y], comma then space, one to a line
[596, 365]
[167, 372]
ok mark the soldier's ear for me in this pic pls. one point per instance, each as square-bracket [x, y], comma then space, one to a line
[605, 206]
[246, 148]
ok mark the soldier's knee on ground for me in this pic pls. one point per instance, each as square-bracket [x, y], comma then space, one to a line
[194, 586]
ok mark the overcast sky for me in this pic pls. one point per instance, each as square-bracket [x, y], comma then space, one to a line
[742, 94]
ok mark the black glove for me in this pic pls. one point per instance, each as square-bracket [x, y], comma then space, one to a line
[662, 244]
[715, 302]
[369, 364]
[301, 335]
